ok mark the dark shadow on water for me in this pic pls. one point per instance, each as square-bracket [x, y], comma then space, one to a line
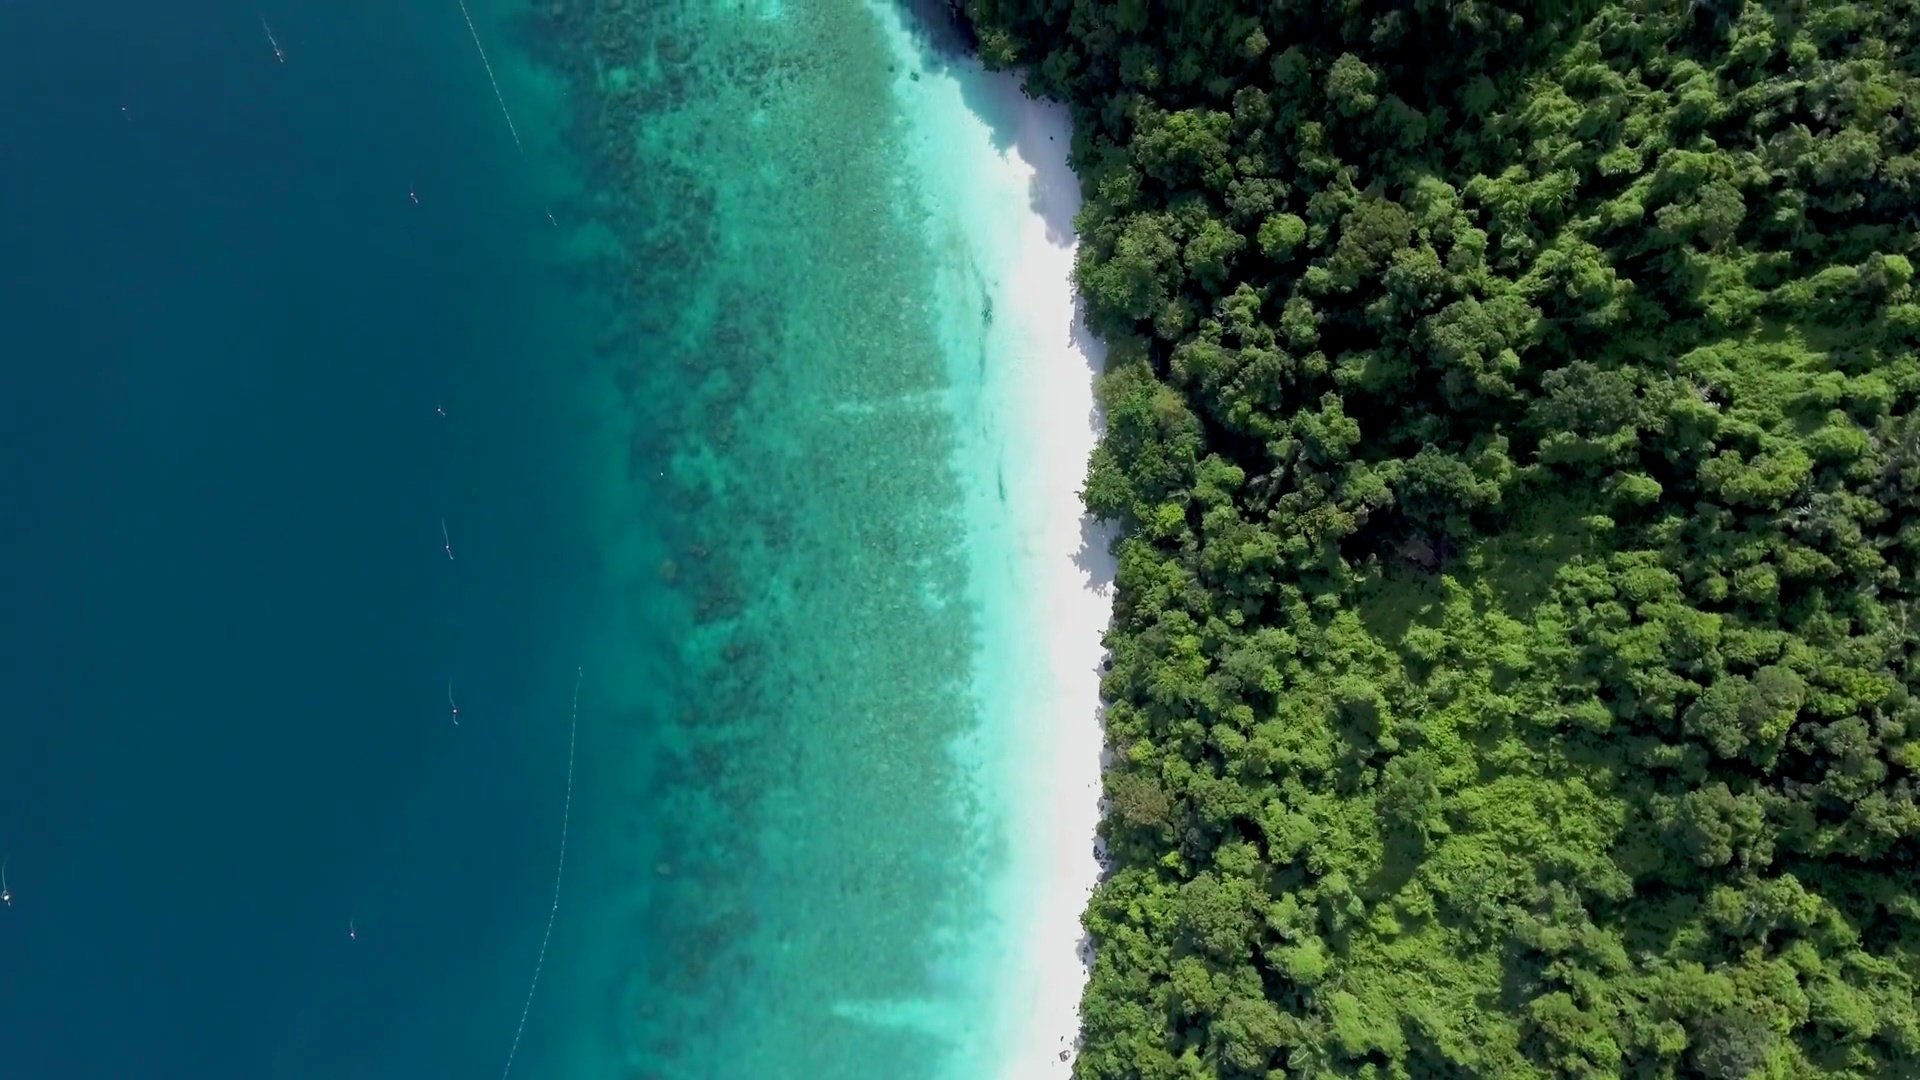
[1042, 136]
[942, 29]
[947, 46]
[1039, 135]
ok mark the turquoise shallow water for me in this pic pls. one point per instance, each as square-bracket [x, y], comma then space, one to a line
[706, 436]
[794, 878]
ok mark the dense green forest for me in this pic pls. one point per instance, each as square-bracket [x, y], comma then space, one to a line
[1511, 418]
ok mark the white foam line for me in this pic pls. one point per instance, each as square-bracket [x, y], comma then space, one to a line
[497, 96]
[566, 814]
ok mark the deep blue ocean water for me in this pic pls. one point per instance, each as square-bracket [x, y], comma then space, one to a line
[228, 622]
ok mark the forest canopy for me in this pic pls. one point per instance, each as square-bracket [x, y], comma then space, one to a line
[1511, 421]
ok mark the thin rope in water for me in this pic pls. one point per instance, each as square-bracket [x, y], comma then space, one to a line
[559, 868]
[511, 130]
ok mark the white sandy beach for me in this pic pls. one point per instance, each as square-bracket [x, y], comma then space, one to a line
[1070, 572]
[1001, 200]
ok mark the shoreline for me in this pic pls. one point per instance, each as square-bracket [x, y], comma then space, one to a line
[1071, 576]
[998, 202]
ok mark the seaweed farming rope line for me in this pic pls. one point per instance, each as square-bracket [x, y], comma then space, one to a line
[566, 812]
[497, 96]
